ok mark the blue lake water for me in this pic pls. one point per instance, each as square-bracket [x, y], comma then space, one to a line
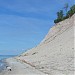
[2, 63]
[6, 56]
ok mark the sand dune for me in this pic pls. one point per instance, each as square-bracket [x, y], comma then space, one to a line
[55, 54]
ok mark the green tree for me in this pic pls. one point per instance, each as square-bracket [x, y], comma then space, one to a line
[71, 11]
[60, 14]
[66, 6]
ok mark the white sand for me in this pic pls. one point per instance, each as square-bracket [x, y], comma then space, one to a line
[20, 68]
[55, 54]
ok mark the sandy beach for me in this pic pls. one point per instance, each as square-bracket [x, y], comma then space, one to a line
[20, 68]
[53, 56]
[37, 37]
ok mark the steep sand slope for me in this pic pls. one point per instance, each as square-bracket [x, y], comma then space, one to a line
[55, 54]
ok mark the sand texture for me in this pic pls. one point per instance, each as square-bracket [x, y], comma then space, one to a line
[20, 68]
[55, 54]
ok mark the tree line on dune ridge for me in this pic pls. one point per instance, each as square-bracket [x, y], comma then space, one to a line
[69, 13]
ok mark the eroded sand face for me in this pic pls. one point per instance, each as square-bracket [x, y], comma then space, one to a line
[55, 54]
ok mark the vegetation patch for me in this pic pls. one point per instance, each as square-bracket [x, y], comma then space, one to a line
[69, 13]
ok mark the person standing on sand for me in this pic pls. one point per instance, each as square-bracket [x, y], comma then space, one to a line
[8, 68]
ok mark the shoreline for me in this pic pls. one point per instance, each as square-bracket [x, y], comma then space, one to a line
[20, 68]
[3, 65]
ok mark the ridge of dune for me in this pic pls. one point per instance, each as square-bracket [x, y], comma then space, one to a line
[55, 54]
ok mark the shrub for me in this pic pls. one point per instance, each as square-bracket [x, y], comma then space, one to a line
[71, 11]
[57, 20]
[60, 16]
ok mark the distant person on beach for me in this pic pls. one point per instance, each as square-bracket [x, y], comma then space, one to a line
[8, 68]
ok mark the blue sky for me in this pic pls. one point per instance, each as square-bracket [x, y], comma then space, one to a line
[24, 23]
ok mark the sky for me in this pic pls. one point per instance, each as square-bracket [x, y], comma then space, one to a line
[24, 23]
